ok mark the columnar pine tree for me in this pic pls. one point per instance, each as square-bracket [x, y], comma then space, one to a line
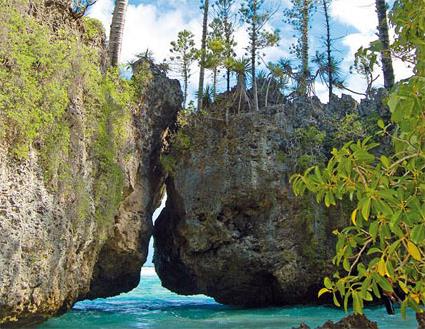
[387, 64]
[184, 54]
[299, 16]
[117, 29]
[224, 22]
[215, 57]
[328, 44]
[205, 7]
[256, 16]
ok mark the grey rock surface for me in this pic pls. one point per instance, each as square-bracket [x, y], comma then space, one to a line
[59, 245]
[232, 228]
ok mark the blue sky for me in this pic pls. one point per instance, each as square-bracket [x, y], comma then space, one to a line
[154, 24]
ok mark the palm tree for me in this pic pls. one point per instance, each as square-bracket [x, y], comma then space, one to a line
[387, 64]
[117, 29]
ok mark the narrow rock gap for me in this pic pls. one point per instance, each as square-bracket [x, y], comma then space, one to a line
[149, 260]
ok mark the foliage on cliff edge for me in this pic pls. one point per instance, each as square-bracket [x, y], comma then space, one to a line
[54, 84]
[383, 251]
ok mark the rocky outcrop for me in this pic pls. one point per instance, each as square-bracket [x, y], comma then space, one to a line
[232, 228]
[420, 317]
[75, 214]
[350, 322]
[124, 252]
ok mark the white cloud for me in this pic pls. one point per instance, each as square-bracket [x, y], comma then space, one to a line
[147, 26]
[102, 10]
[361, 15]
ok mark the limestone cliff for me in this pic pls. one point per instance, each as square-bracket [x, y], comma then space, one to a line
[232, 229]
[79, 162]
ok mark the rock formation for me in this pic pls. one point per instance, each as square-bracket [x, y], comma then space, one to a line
[125, 250]
[75, 220]
[420, 317]
[232, 229]
[79, 183]
[349, 322]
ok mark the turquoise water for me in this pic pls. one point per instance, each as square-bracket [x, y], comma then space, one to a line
[152, 307]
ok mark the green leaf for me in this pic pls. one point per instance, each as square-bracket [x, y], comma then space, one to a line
[357, 303]
[383, 283]
[366, 209]
[336, 302]
[322, 291]
[346, 264]
[328, 283]
[393, 247]
[418, 233]
[366, 286]
[382, 267]
[341, 287]
[375, 290]
[413, 251]
[373, 229]
[393, 102]
[385, 161]
[354, 216]
[346, 298]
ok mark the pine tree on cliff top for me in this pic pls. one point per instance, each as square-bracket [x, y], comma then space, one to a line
[224, 23]
[255, 14]
[205, 6]
[299, 16]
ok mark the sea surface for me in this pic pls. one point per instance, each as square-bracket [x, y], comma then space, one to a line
[151, 306]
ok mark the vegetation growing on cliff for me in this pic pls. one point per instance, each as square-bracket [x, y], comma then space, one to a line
[54, 92]
[382, 252]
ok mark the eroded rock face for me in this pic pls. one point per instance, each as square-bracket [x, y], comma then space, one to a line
[232, 228]
[60, 239]
[121, 257]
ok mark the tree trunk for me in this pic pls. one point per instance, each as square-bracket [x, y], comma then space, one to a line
[203, 51]
[186, 82]
[117, 29]
[266, 103]
[328, 49]
[214, 83]
[228, 33]
[254, 57]
[387, 65]
[241, 87]
[304, 46]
